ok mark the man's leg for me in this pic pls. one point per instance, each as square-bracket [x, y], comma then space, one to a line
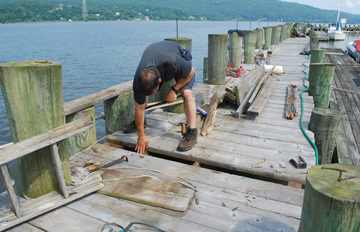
[190, 137]
[189, 107]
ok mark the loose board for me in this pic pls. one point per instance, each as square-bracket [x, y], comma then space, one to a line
[146, 189]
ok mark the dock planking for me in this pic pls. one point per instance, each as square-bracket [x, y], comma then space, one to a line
[237, 144]
[225, 201]
[345, 97]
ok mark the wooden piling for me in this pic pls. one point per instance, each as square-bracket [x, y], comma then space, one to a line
[83, 140]
[268, 33]
[33, 97]
[186, 42]
[317, 56]
[282, 33]
[320, 82]
[205, 70]
[249, 46]
[314, 42]
[275, 37]
[119, 111]
[330, 204]
[324, 122]
[235, 49]
[217, 58]
[289, 27]
[259, 38]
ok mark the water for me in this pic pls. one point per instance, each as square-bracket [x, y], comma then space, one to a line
[350, 37]
[98, 55]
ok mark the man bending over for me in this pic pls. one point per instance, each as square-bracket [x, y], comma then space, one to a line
[162, 62]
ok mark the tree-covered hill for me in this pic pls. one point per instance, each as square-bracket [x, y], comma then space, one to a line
[243, 10]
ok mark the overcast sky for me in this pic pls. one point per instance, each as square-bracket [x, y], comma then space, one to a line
[350, 6]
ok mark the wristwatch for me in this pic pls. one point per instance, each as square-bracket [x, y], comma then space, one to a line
[175, 90]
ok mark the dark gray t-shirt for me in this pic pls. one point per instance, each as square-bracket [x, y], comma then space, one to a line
[166, 57]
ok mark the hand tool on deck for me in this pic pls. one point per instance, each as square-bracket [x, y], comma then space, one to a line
[298, 162]
[164, 103]
[124, 157]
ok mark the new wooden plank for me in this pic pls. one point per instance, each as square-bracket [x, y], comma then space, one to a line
[260, 101]
[95, 98]
[43, 140]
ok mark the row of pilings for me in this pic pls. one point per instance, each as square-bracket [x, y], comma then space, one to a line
[241, 46]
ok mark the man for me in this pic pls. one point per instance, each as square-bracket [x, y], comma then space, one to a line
[162, 62]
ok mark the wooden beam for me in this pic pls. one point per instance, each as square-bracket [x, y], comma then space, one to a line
[43, 140]
[58, 170]
[291, 102]
[259, 85]
[244, 103]
[245, 83]
[260, 101]
[10, 189]
[98, 97]
[210, 117]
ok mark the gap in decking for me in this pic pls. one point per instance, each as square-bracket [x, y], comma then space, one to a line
[212, 168]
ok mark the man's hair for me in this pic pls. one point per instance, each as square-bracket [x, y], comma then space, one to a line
[148, 81]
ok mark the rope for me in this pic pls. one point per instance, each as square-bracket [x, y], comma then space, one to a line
[302, 112]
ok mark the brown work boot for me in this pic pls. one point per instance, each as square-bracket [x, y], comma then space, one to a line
[132, 127]
[189, 140]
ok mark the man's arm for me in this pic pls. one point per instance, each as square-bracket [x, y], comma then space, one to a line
[142, 141]
[181, 82]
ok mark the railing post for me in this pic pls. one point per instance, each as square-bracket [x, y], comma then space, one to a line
[58, 170]
[10, 189]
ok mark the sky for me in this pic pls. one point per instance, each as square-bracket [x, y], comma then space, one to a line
[349, 6]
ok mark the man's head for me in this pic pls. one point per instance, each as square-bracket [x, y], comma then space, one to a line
[149, 81]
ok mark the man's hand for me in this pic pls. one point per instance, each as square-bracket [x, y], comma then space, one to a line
[171, 96]
[142, 143]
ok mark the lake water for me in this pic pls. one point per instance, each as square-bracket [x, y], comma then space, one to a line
[98, 55]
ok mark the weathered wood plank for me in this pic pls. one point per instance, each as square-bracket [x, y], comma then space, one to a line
[58, 170]
[43, 140]
[168, 170]
[51, 201]
[95, 98]
[10, 189]
[208, 153]
[291, 102]
[146, 189]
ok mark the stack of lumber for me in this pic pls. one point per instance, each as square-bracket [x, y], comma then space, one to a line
[251, 92]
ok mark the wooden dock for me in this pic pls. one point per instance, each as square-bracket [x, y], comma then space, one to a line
[345, 97]
[235, 192]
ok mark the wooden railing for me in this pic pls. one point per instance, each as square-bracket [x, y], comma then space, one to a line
[17, 150]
